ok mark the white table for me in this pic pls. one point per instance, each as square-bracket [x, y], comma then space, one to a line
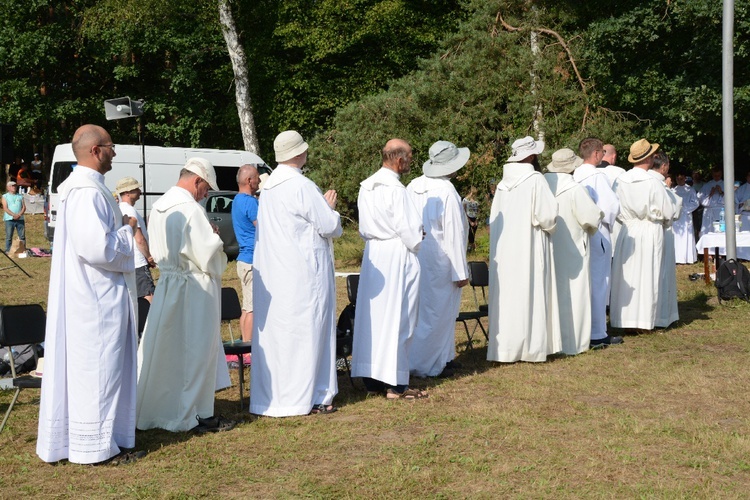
[719, 242]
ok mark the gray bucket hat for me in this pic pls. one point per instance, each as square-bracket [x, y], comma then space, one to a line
[445, 158]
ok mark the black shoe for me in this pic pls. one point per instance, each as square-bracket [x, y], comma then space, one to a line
[453, 364]
[608, 340]
[446, 373]
[213, 424]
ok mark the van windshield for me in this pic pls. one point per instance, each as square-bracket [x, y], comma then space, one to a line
[60, 171]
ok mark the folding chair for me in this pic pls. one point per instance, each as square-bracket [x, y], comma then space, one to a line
[230, 307]
[231, 310]
[479, 277]
[21, 325]
[345, 325]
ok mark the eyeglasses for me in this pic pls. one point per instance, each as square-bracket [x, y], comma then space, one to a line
[107, 146]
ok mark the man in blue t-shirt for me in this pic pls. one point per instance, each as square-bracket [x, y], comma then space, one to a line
[245, 220]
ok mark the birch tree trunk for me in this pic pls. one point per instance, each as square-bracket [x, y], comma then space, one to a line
[241, 80]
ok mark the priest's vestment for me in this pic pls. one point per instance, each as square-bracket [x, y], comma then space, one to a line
[524, 322]
[294, 297]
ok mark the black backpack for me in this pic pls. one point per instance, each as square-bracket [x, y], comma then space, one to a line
[733, 281]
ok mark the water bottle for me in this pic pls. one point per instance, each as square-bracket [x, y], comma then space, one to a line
[722, 221]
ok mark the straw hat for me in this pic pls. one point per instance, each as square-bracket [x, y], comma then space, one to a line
[127, 184]
[641, 149]
[523, 148]
[445, 158]
[564, 161]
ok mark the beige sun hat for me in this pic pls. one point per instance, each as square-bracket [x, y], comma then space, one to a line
[203, 169]
[288, 144]
[523, 148]
[564, 161]
[127, 184]
[641, 149]
[445, 158]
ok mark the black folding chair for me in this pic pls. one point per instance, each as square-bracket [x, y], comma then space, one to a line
[231, 310]
[19, 325]
[479, 278]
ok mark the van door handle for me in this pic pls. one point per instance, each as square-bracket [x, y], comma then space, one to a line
[215, 219]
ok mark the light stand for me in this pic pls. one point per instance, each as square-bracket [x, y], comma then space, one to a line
[124, 107]
[15, 264]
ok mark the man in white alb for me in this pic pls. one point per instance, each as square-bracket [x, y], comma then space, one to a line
[598, 186]
[294, 294]
[442, 260]
[386, 311]
[181, 359]
[645, 208]
[524, 322]
[87, 407]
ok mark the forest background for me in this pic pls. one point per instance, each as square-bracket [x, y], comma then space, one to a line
[350, 74]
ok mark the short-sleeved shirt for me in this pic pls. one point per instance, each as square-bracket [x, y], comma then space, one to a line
[130, 211]
[471, 207]
[244, 213]
[15, 203]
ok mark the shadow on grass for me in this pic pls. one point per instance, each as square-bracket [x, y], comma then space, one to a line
[694, 309]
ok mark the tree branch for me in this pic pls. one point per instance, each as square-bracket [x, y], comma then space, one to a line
[561, 41]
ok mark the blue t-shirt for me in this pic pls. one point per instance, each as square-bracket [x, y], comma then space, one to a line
[244, 213]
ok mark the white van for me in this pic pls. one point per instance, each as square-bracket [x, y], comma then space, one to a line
[163, 167]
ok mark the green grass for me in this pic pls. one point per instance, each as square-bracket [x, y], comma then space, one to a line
[663, 415]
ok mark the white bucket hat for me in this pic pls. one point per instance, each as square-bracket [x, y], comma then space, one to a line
[203, 169]
[127, 184]
[288, 144]
[445, 158]
[564, 161]
[525, 147]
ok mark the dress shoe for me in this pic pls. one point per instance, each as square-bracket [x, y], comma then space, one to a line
[608, 340]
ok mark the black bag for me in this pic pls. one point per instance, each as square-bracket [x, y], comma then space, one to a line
[733, 281]
[345, 332]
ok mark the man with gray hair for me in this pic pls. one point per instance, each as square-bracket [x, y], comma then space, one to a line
[387, 297]
[244, 222]
[181, 359]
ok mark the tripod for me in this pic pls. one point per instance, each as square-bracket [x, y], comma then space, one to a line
[15, 264]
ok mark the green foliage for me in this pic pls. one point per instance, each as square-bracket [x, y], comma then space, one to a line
[661, 61]
[476, 92]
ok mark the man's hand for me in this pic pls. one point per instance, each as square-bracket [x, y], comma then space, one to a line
[331, 198]
[668, 182]
[214, 227]
[129, 221]
[462, 283]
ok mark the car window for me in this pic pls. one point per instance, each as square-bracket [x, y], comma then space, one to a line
[220, 204]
